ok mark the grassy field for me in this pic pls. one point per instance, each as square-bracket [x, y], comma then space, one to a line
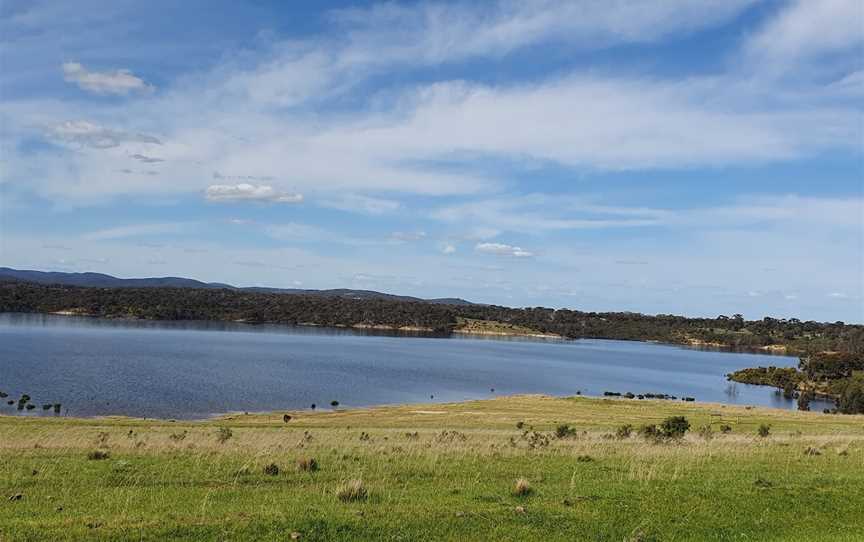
[437, 472]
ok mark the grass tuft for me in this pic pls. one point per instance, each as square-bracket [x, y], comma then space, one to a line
[522, 488]
[98, 455]
[352, 490]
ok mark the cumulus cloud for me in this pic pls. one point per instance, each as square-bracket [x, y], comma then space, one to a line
[448, 248]
[120, 82]
[89, 134]
[249, 192]
[500, 249]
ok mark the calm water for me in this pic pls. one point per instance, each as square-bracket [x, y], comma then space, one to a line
[193, 370]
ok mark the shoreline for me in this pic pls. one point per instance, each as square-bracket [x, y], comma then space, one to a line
[426, 408]
[772, 349]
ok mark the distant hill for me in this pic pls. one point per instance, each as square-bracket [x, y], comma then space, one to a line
[100, 280]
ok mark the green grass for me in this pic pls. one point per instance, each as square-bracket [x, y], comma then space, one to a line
[453, 480]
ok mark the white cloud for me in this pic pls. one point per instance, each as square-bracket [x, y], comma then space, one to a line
[436, 32]
[448, 248]
[249, 192]
[810, 28]
[500, 249]
[117, 82]
[89, 134]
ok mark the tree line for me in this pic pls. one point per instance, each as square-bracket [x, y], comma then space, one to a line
[803, 337]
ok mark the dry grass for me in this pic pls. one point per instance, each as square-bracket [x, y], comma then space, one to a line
[307, 464]
[352, 490]
[425, 463]
[522, 488]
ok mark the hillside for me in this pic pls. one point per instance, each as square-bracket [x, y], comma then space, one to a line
[100, 280]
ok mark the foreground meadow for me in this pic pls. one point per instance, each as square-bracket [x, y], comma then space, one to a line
[438, 472]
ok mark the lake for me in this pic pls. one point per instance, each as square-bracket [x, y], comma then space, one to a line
[197, 369]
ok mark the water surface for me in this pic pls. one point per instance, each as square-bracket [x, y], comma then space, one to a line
[197, 369]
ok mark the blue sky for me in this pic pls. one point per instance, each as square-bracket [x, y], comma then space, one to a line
[674, 156]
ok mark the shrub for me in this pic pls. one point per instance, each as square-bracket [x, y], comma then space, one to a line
[764, 430]
[224, 434]
[98, 455]
[804, 400]
[624, 431]
[674, 427]
[177, 437]
[307, 464]
[520, 425]
[649, 432]
[564, 431]
[286, 418]
[271, 470]
[706, 432]
[522, 488]
[725, 428]
[352, 490]
[851, 399]
[334, 404]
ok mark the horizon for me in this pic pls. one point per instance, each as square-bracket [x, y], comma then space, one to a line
[399, 294]
[659, 157]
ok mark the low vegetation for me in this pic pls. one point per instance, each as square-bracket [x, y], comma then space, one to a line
[460, 471]
[835, 375]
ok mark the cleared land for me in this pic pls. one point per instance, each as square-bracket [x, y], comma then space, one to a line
[437, 472]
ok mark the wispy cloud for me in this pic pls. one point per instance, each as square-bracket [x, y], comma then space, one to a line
[137, 230]
[249, 192]
[500, 249]
[113, 82]
[146, 159]
[361, 204]
[89, 134]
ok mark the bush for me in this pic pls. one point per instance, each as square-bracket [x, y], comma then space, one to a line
[764, 430]
[271, 470]
[851, 399]
[674, 427]
[98, 455]
[352, 490]
[223, 435]
[624, 431]
[649, 432]
[725, 428]
[564, 431]
[522, 488]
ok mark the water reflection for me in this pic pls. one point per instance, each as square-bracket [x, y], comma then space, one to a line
[192, 369]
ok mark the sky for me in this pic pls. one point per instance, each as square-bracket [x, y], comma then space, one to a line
[670, 156]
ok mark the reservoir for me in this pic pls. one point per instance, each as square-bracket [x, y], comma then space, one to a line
[197, 369]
